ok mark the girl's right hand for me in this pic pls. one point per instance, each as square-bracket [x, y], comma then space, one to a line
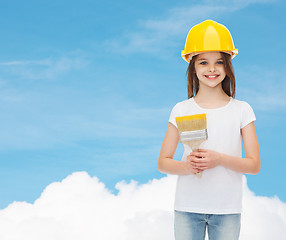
[190, 166]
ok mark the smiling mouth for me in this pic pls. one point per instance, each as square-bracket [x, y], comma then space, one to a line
[212, 76]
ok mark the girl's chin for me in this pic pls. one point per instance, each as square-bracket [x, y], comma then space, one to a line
[212, 84]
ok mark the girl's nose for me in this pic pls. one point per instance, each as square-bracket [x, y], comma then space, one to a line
[212, 68]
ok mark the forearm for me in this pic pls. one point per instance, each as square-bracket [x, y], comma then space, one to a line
[172, 166]
[166, 163]
[248, 165]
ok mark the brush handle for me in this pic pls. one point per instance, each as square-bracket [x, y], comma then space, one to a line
[199, 174]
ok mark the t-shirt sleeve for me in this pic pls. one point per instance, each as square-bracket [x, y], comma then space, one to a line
[248, 115]
[173, 115]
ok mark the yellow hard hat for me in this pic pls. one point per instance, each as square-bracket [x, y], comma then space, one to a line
[208, 36]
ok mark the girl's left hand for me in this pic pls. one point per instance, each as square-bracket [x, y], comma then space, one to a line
[205, 159]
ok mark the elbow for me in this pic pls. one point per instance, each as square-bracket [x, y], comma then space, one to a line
[255, 171]
[160, 166]
[256, 168]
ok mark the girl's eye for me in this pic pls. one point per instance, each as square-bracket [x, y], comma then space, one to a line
[220, 62]
[203, 63]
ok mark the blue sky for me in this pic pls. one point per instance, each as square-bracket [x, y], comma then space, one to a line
[89, 86]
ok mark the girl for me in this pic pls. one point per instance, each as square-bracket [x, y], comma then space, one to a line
[212, 202]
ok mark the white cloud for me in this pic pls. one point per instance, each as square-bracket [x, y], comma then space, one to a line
[264, 218]
[64, 126]
[266, 90]
[80, 207]
[158, 36]
[48, 68]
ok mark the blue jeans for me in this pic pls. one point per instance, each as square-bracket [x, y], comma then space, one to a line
[192, 226]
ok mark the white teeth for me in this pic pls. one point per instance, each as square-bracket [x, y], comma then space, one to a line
[211, 76]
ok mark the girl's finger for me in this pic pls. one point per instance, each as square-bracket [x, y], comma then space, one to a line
[199, 165]
[202, 169]
[195, 160]
[198, 160]
[197, 154]
[203, 150]
[191, 157]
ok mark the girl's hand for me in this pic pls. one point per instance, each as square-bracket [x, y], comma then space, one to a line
[204, 159]
[191, 169]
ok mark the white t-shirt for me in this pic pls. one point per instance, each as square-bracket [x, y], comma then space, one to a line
[219, 190]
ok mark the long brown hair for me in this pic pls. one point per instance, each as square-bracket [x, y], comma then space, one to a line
[228, 84]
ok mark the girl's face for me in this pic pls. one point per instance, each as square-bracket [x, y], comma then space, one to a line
[210, 69]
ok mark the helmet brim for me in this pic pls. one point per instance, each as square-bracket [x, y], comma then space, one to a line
[188, 56]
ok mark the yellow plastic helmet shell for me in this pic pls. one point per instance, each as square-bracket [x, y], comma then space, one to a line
[208, 36]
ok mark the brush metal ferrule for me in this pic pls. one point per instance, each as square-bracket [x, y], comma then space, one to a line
[193, 135]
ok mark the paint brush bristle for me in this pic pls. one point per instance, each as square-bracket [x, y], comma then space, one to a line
[192, 122]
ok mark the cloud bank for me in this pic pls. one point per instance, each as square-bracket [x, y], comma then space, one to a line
[47, 69]
[81, 207]
[153, 36]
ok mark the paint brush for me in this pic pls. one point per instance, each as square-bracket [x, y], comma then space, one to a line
[193, 131]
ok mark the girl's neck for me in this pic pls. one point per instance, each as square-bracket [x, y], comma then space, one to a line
[211, 97]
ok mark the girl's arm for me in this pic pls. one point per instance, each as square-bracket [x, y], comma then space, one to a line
[166, 163]
[251, 163]
[206, 159]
